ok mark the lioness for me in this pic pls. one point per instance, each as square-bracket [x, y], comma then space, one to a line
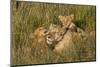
[56, 33]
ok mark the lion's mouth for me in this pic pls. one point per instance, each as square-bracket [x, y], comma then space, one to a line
[49, 40]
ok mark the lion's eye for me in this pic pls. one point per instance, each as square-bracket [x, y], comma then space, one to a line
[45, 31]
[61, 34]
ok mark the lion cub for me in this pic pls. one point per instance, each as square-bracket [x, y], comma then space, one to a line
[39, 34]
[67, 22]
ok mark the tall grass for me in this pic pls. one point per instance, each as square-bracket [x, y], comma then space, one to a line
[27, 16]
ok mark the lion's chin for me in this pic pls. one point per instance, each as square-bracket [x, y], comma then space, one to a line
[49, 42]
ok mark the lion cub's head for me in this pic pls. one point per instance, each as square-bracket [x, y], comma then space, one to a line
[66, 20]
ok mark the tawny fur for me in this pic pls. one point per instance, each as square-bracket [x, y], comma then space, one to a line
[55, 33]
[39, 34]
[66, 20]
[67, 41]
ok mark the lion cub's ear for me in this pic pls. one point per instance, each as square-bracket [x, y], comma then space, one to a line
[72, 17]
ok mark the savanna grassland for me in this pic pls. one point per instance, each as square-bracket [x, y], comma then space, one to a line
[27, 16]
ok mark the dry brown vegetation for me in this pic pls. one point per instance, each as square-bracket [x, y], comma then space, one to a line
[27, 16]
